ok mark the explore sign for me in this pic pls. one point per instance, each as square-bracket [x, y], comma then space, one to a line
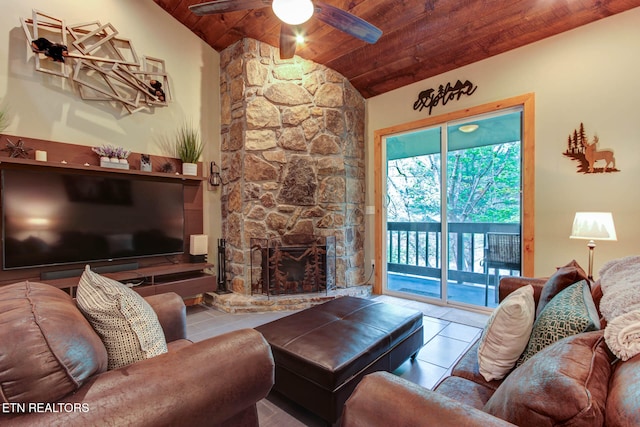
[430, 98]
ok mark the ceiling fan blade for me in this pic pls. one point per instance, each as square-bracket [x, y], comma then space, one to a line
[224, 6]
[347, 22]
[287, 42]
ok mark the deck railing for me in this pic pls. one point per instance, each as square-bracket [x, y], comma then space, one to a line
[415, 248]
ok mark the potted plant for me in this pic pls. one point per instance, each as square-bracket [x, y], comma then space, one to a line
[112, 157]
[122, 155]
[189, 148]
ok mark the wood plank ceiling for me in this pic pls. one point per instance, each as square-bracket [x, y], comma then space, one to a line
[420, 39]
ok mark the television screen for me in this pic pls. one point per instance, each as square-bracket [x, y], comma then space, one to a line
[51, 218]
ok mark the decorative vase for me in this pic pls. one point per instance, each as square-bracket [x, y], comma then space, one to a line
[190, 169]
[104, 159]
[123, 161]
[114, 160]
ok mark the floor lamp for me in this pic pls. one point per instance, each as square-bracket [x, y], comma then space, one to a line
[593, 226]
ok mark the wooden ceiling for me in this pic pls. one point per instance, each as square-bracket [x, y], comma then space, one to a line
[421, 38]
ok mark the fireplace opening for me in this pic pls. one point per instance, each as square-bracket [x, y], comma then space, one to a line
[284, 270]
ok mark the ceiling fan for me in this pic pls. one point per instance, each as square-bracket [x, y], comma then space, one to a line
[296, 12]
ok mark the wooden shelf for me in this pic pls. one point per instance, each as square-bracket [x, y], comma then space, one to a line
[94, 169]
[185, 279]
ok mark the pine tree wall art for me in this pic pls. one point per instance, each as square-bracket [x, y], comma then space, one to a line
[590, 158]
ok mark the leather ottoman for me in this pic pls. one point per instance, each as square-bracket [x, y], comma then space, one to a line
[323, 352]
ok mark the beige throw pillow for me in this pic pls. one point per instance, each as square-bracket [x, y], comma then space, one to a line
[127, 324]
[506, 334]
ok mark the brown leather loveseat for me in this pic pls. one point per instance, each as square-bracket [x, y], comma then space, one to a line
[53, 369]
[576, 381]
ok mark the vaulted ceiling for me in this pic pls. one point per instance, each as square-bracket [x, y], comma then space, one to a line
[420, 39]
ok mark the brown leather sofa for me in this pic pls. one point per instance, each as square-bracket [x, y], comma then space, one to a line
[48, 349]
[589, 384]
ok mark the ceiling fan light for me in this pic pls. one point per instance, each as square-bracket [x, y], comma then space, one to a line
[293, 12]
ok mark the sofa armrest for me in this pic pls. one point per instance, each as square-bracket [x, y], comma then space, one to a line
[201, 384]
[509, 284]
[172, 314]
[382, 399]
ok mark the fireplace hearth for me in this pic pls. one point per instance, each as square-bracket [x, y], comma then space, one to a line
[277, 269]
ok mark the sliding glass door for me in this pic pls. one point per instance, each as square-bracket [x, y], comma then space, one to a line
[414, 212]
[453, 190]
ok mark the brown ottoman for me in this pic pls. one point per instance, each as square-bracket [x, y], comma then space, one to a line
[323, 352]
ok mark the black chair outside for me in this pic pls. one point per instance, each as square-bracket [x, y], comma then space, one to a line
[502, 251]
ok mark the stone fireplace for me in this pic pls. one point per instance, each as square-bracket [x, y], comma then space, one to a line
[292, 159]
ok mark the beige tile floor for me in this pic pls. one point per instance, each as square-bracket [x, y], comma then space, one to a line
[448, 332]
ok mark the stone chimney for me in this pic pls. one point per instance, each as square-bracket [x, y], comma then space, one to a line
[292, 158]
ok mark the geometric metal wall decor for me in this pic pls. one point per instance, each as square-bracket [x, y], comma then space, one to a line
[103, 66]
[586, 153]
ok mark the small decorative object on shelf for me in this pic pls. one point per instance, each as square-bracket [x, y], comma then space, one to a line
[112, 157]
[145, 163]
[18, 149]
[166, 167]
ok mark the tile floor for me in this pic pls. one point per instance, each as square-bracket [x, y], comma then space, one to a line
[448, 332]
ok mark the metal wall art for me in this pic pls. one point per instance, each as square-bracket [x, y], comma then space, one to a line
[104, 66]
[590, 159]
[431, 98]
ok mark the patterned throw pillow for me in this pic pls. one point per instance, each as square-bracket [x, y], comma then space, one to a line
[570, 312]
[564, 277]
[127, 324]
[506, 334]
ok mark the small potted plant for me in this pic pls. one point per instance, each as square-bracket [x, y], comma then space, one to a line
[112, 157]
[189, 148]
[105, 152]
[122, 155]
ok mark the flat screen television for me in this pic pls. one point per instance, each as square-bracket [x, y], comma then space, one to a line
[59, 217]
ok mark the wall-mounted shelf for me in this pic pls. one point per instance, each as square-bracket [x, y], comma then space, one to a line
[77, 157]
[94, 169]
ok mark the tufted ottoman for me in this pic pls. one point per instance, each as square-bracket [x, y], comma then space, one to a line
[321, 353]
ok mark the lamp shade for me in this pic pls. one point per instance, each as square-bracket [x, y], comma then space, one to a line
[593, 226]
[198, 244]
[293, 12]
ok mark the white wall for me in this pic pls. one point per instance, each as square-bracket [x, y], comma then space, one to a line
[46, 107]
[588, 75]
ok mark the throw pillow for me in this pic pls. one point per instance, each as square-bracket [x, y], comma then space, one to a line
[564, 277]
[564, 384]
[570, 312]
[506, 334]
[127, 324]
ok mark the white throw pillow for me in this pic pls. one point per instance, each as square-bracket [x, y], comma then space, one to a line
[127, 324]
[506, 334]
